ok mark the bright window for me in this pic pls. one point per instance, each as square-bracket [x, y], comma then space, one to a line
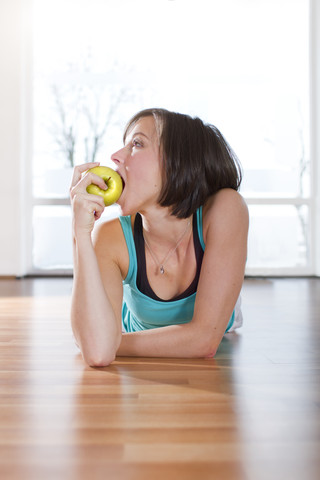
[239, 64]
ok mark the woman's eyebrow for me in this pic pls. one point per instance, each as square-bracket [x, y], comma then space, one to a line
[140, 133]
[127, 141]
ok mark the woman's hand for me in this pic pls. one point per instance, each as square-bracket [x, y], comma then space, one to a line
[87, 208]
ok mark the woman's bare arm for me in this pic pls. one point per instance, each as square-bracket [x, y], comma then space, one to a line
[96, 305]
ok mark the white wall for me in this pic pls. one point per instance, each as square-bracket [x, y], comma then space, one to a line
[315, 119]
[15, 35]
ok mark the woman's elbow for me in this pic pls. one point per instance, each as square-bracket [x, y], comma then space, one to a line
[207, 348]
[98, 356]
[98, 353]
[211, 353]
[96, 360]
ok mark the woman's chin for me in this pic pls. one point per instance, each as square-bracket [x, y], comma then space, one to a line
[124, 210]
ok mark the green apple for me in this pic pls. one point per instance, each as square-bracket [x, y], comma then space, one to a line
[113, 182]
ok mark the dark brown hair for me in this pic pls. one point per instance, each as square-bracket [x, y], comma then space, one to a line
[197, 160]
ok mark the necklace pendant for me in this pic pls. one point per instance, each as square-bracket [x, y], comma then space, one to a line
[161, 270]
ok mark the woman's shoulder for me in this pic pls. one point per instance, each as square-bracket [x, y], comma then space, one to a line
[109, 241]
[107, 228]
[225, 209]
[225, 196]
[114, 228]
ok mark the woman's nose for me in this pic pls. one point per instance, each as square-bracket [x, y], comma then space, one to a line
[119, 156]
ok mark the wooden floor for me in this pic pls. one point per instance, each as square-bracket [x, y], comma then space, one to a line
[251, 413]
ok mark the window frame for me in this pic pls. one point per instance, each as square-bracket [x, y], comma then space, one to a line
[312, 202]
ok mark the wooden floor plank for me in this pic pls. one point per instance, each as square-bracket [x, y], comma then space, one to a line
[251, 413]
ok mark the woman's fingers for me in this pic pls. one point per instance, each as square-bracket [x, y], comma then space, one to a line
[99, 211]
[89, 202]
[87, 208]
[90, 178]
[96, 200]
[86, 180]
[79, 170]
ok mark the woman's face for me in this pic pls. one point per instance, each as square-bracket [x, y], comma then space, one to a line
[138, 163]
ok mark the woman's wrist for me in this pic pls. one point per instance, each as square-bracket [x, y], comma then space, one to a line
[82, 246]
[82, 235]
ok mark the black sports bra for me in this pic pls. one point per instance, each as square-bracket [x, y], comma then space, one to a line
[142, 279]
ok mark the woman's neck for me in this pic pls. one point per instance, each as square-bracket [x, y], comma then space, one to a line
[163, 228]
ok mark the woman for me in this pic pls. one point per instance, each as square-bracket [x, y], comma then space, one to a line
[164, 279]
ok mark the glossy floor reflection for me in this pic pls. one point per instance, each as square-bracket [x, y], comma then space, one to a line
[251, 413]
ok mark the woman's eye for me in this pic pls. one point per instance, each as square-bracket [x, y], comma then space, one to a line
[136, 143]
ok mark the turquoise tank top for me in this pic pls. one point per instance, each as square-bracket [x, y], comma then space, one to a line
[140, 312]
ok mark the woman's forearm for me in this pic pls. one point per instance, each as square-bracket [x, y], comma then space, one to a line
[177, 341]
[95, 327]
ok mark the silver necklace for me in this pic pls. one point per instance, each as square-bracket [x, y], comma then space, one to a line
[168, 255]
